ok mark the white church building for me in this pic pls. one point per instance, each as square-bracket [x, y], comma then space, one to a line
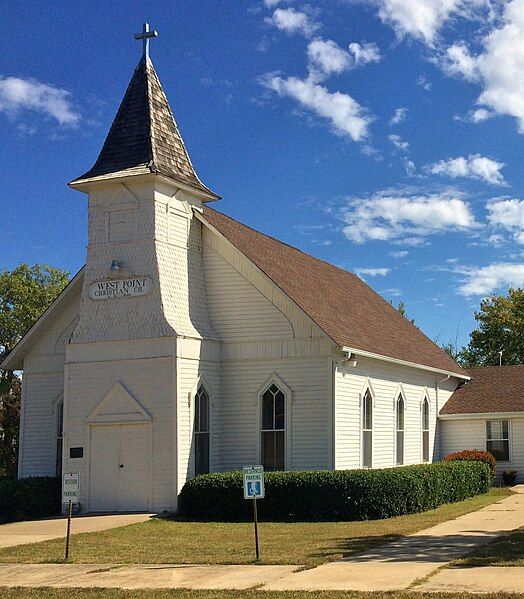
[191, 343]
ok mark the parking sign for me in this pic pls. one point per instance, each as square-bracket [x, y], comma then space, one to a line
[254, 482]
[70, 485]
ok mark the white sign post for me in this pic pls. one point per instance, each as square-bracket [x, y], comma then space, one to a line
[254, 489]
[70, 488]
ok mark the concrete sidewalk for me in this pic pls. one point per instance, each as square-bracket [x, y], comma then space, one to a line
[394, 566]
[400, 564]
[492, 579]
[19, 533]
[141, 576]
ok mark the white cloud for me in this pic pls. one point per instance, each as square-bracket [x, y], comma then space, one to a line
[476, 116]
[474, 166]
[484, 280]
[423, 19]
[398, 117]
[18, 95]
[326, 57]
[424, 83]
[346, 116]
[364, 53]
[459, 61]
[399, 254]
[399, 143]
[420, 19]
[390, 216]
[292, 21]
[271, 3]
[372, 272]
[498, 67]
[509, 215]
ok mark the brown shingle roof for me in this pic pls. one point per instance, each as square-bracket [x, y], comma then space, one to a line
[491, 389]
[340, 303]
[144, 137]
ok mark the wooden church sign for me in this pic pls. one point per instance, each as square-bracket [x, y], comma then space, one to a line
[102, 290]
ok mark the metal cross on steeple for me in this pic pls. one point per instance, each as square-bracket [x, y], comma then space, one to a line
[145, 36]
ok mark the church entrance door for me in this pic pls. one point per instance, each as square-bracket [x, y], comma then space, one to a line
[120, 458]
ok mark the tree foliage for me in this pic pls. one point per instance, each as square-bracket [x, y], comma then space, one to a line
[25, 293]
[500, 328]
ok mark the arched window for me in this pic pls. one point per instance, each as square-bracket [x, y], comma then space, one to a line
[400, 408]
[367, 430]
[59, 437]
[425, 430]
[201, 428]
[273, 428]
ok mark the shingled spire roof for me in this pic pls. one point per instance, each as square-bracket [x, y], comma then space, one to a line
[144, 137]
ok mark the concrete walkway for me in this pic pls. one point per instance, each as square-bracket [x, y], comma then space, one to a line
[394, 566]
[400, 564]
[492, 579]
[154, 576]
[19, 533]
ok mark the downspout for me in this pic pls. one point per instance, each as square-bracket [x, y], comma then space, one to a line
[437, 426]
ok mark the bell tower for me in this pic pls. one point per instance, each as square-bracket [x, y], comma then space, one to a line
[143, 290]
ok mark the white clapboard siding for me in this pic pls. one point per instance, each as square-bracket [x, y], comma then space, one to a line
[190, 373]
[385, 382]
[151, 382]
[43, 385]
[470, 433]
[308, 422]
[243, 303]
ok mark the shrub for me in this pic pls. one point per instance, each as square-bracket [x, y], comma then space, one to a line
[335, 494]
[29, 498]
[473, 455]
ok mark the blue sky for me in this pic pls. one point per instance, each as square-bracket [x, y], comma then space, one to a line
[384, 136]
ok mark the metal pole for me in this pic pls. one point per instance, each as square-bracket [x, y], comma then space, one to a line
[255, 517]
[69, 512]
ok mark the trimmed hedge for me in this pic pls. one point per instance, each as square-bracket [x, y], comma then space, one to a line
[343, 495]
[469, 455]
[29, 498]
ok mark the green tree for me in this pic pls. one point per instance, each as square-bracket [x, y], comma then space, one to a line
[500, 328]
[25, 293]
[402, 309]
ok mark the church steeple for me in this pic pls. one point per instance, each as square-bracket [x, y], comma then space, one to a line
[144, 137]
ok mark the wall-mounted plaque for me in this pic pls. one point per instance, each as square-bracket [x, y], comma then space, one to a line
[102, 290]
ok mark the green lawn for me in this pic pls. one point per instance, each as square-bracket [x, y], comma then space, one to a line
[505, 551]
[179, 542]
[50, 593]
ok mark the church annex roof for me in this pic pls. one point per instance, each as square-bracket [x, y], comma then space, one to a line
[339, 302]
[144, 137]
[491, 389]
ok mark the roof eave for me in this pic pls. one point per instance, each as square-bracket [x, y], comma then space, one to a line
[90, 182]
[367, 354]
[481, 415]
[15, 359]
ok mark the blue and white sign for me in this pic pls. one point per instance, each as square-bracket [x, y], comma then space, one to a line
[254, 482]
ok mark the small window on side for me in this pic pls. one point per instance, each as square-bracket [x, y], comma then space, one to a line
[497, 439]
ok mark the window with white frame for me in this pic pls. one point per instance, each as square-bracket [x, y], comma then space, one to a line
[425, 430]
[273, 429]
[400, 409]
[367, 430]
[59, 437]
[201, 430]
[497, 439]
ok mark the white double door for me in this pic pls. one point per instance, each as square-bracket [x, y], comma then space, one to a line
[120, 463]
